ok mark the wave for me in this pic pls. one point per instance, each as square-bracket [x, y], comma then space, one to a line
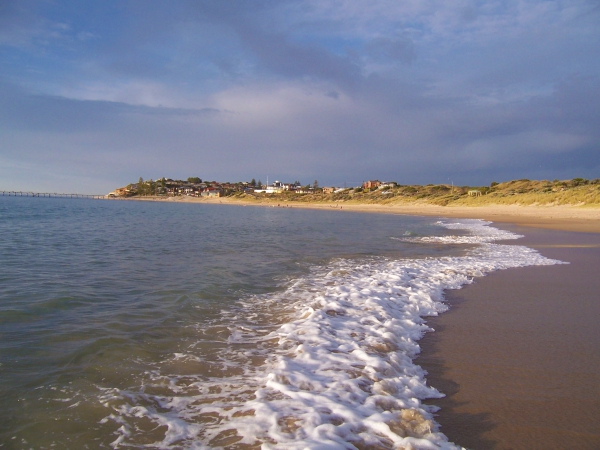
[327, 364]
[480, 232]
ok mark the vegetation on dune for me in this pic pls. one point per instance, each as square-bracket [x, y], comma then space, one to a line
[576, 192]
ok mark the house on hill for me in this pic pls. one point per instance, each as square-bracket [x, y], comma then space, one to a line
[371, 184]
[276, 188]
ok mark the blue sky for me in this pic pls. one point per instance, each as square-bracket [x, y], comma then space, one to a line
[94, 95]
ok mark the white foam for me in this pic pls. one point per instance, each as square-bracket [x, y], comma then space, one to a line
[480, 232]
[337, 372]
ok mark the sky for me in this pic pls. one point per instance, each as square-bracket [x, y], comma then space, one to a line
[94, 95]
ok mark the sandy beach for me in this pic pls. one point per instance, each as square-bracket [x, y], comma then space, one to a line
[518, 354]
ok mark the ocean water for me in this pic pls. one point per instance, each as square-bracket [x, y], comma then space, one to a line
[188, 326]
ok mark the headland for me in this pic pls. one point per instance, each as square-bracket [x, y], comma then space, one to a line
[572, 205]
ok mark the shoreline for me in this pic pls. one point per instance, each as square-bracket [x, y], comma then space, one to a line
[495, 347]
[517, 353]
[509, 381]
[585, 219]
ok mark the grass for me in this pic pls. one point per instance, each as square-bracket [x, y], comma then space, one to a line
[576, 192]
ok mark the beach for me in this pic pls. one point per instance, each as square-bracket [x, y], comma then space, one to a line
[517, 355]
[173, 322]
[571, 218]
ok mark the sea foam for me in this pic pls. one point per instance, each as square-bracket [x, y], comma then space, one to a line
[333, 369]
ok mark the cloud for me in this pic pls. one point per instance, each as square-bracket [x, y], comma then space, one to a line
[385, 50]
[20, 23]
[295, 131]
[23, 111]
[337, 90]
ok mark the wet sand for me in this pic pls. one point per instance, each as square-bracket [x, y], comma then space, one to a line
[518, 354]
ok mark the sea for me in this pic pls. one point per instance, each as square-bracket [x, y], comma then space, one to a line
[166, 325]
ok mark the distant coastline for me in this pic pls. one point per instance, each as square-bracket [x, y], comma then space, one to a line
[558, 217]
[575, 192]
[571, 205]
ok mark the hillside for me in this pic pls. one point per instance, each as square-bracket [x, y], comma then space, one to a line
[576, 192]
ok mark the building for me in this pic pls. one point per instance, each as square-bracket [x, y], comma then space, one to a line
[121, 192]
[211, 192]
[371, 184]
[329, 190]
[275, 188]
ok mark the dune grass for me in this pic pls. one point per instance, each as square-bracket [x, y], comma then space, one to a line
[576, 192]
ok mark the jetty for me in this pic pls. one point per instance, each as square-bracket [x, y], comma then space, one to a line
[54, 195]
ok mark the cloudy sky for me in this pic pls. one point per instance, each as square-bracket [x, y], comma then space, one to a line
[95, 94]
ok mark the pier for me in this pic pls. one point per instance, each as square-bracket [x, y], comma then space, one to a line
[54, 195]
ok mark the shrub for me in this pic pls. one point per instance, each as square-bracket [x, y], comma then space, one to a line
[579, 181]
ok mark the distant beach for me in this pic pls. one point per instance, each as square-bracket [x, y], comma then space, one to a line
[558, 217]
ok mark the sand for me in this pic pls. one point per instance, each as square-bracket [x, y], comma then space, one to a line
[518, 354]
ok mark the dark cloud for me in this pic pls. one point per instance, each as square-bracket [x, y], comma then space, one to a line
[24, 111]
[276, 54]
[367, 136]
[238, 27]
[384, 49]
[20, 22]
[260, 92]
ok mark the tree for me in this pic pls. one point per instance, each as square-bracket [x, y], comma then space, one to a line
[259, 184]
[195, 180]
[141, 186]
[316, 185]
[253, 182]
